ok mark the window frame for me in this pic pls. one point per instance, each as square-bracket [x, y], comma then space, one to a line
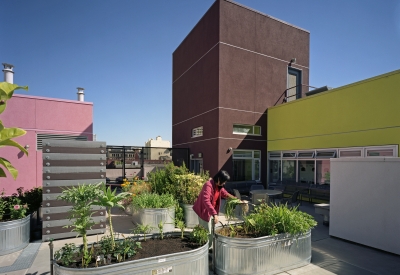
[253, 127]
[299, 81]
[197, 132]
[253, 162]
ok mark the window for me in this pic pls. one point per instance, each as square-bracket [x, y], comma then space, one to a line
[274, 171]
[349, 153]
[289, 155]
[246, 165]
[309, 155]
[293, 85]
[289, 170]
[246, 129]
[323, 172]
[326, 154]
[197, 132]
[306, 171]
[380, 152]
[274, 155]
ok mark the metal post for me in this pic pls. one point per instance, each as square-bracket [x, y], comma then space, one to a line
[51, 245]
[123, 163]
[213, 244]
[142, 162]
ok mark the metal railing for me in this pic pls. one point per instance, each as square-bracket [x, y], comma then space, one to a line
[286, 97]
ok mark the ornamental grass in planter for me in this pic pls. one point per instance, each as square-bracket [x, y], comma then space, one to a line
[272, 239]
[268, 220]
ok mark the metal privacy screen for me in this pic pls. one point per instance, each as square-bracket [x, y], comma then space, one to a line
[68, 163]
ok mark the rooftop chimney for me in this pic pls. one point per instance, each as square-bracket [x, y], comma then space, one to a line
[81, 94]
[8, 73]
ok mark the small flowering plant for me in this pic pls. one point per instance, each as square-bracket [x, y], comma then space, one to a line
[17, 210]
[135, 187]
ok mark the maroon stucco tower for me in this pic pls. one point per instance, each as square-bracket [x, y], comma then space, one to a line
[234, 64]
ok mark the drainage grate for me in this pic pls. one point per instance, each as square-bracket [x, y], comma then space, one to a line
[24, 260]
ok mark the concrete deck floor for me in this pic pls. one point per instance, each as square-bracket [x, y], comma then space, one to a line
[329, 255]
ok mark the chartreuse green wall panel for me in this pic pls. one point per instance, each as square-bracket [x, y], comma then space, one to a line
[365, 113]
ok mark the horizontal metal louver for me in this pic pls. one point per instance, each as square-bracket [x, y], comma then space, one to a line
[41, 137]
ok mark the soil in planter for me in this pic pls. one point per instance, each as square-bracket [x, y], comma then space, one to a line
[150, 248]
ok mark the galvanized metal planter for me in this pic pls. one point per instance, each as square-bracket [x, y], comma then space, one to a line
[153, 216]
[191, 218]
[14, 235]
[265, 255]
[194, 262]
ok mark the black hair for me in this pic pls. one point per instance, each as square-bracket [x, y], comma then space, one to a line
[222, 176]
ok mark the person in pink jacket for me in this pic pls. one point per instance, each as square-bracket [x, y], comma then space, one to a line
[209, 200]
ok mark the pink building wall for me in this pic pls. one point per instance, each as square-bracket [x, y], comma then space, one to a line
[40, 115]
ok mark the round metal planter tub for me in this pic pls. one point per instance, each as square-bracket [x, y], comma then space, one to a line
[191, 218]
[14, 235]
[153, 216]
[194, 262]
[265, 255]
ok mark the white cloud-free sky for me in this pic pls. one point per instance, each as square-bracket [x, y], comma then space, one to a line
[121, 51]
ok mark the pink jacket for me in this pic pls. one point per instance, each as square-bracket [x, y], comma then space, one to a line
[203, 205]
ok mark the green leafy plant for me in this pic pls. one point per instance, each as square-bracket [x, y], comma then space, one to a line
[142, 229]
[66, 254]
[7, 134]
[179, 215]
[178, 181]
[230, 206]
[271, 220]
[161, 229]
[109, 199]
[199, 235]
[164, 180]
[181, 225]
[126, 247]
[153, 200]
[81, 197]
[33, 197]
[3, 205]
[188, 186]
[106, 245]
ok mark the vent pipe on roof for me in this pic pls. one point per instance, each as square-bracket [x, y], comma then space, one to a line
[81, 94]
[8, 73]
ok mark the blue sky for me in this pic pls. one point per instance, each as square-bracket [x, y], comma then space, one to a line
[120, 51]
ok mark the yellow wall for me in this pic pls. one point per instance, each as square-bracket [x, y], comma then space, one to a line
[365, 113]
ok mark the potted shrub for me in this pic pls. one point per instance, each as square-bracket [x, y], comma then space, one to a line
[184, 185]
[188, 187]
[271, 240]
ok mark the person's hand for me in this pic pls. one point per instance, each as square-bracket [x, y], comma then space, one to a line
[216, 219]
